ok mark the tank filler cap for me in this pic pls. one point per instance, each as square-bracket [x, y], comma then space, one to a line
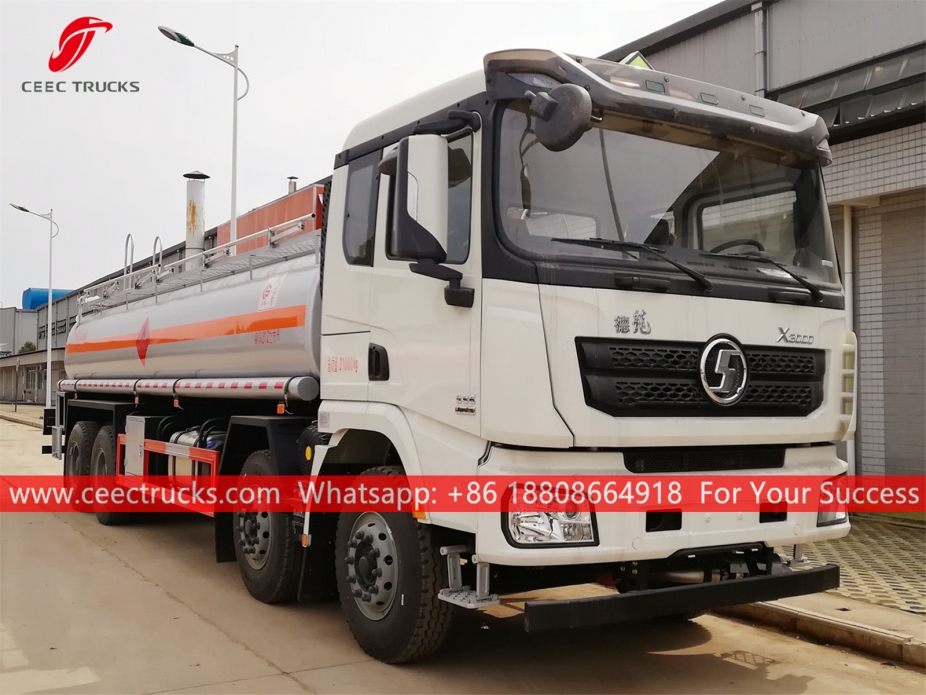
[196, 175]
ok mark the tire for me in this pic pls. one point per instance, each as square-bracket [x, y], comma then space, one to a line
[79, 449]
[410, 622]
[103, 464]
[266, 548]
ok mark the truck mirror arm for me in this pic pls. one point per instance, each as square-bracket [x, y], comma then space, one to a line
[457, 119]
[454, 294]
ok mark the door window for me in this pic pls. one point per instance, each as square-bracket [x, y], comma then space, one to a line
[360, 216]
[459, 198]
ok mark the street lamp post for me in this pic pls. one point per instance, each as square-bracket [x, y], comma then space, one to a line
[229, 59]
[48, 341]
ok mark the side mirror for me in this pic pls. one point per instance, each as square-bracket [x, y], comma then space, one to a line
[563, 115]
[420, 168]
[419, 210]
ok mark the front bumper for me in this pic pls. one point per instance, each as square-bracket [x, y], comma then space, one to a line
[654, 603]
[622, 536]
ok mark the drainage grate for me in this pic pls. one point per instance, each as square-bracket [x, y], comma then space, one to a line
[880, 563]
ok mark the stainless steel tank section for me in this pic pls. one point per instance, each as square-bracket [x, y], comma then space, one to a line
[233, 326]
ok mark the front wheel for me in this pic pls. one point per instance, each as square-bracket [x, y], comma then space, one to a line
[389, 575]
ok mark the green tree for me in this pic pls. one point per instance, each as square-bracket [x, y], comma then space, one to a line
[28, 346]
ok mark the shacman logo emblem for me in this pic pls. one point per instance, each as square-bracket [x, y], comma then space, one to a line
[74, 42]
[724, 371]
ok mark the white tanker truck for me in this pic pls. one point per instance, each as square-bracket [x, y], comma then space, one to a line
[554, 265]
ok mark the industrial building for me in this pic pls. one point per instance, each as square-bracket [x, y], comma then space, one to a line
[861, 66]
[19, 328]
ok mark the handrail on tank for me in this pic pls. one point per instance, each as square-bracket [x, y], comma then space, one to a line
[157, 252]
[107, 288]
[128, 260]
[288, 228]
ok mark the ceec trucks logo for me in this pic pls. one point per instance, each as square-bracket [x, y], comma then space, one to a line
[74, 42]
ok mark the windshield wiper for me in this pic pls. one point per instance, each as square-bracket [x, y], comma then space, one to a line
[598, 242]
[815, 291]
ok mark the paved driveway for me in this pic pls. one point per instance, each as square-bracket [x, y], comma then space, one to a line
[143, 608]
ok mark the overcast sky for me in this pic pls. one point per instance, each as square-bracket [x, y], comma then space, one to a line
[112, 164]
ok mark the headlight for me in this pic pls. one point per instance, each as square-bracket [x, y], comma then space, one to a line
[837, 509]
[551, 528]
[831, 518]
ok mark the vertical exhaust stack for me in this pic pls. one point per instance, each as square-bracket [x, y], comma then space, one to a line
[195, 216]
[292, 183]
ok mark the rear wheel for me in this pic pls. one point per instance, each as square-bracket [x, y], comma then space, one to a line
[265, 544]
[102, 465]
[389, 575]
[80, 446]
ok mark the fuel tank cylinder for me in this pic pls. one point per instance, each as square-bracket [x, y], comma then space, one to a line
[253, 323]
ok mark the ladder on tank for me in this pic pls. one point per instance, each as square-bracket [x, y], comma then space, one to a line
[158, 279]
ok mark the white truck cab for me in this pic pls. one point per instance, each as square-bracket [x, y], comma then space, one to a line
[558, 259]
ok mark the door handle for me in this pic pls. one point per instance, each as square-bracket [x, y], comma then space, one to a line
[378, 363]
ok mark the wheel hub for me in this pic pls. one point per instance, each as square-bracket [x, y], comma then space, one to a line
[99, 465]
[372, 566]
[254, 536]
[73, 460]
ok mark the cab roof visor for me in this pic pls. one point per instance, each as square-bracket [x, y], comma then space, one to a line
[622, 89]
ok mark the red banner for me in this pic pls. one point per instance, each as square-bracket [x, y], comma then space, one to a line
[629, 493]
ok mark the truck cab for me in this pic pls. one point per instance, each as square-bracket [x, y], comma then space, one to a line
[566, 266]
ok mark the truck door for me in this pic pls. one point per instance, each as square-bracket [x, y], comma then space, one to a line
[423, 353]
[348, 270]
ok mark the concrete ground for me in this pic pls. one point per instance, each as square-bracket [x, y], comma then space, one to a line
[144, 609]
[882, 561]
[24, 414]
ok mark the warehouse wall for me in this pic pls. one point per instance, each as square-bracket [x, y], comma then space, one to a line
[722, 56]
[17, 326]
[804, 39]
[812, 38]
[884, 176]
[891, 325]
[879, 164]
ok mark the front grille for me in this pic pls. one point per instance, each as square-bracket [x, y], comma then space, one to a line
[648, 378]
[799, 396]
[705, 458]
[763, 361]
[638, 357]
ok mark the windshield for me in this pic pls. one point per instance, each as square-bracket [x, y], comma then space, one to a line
[688, 193]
